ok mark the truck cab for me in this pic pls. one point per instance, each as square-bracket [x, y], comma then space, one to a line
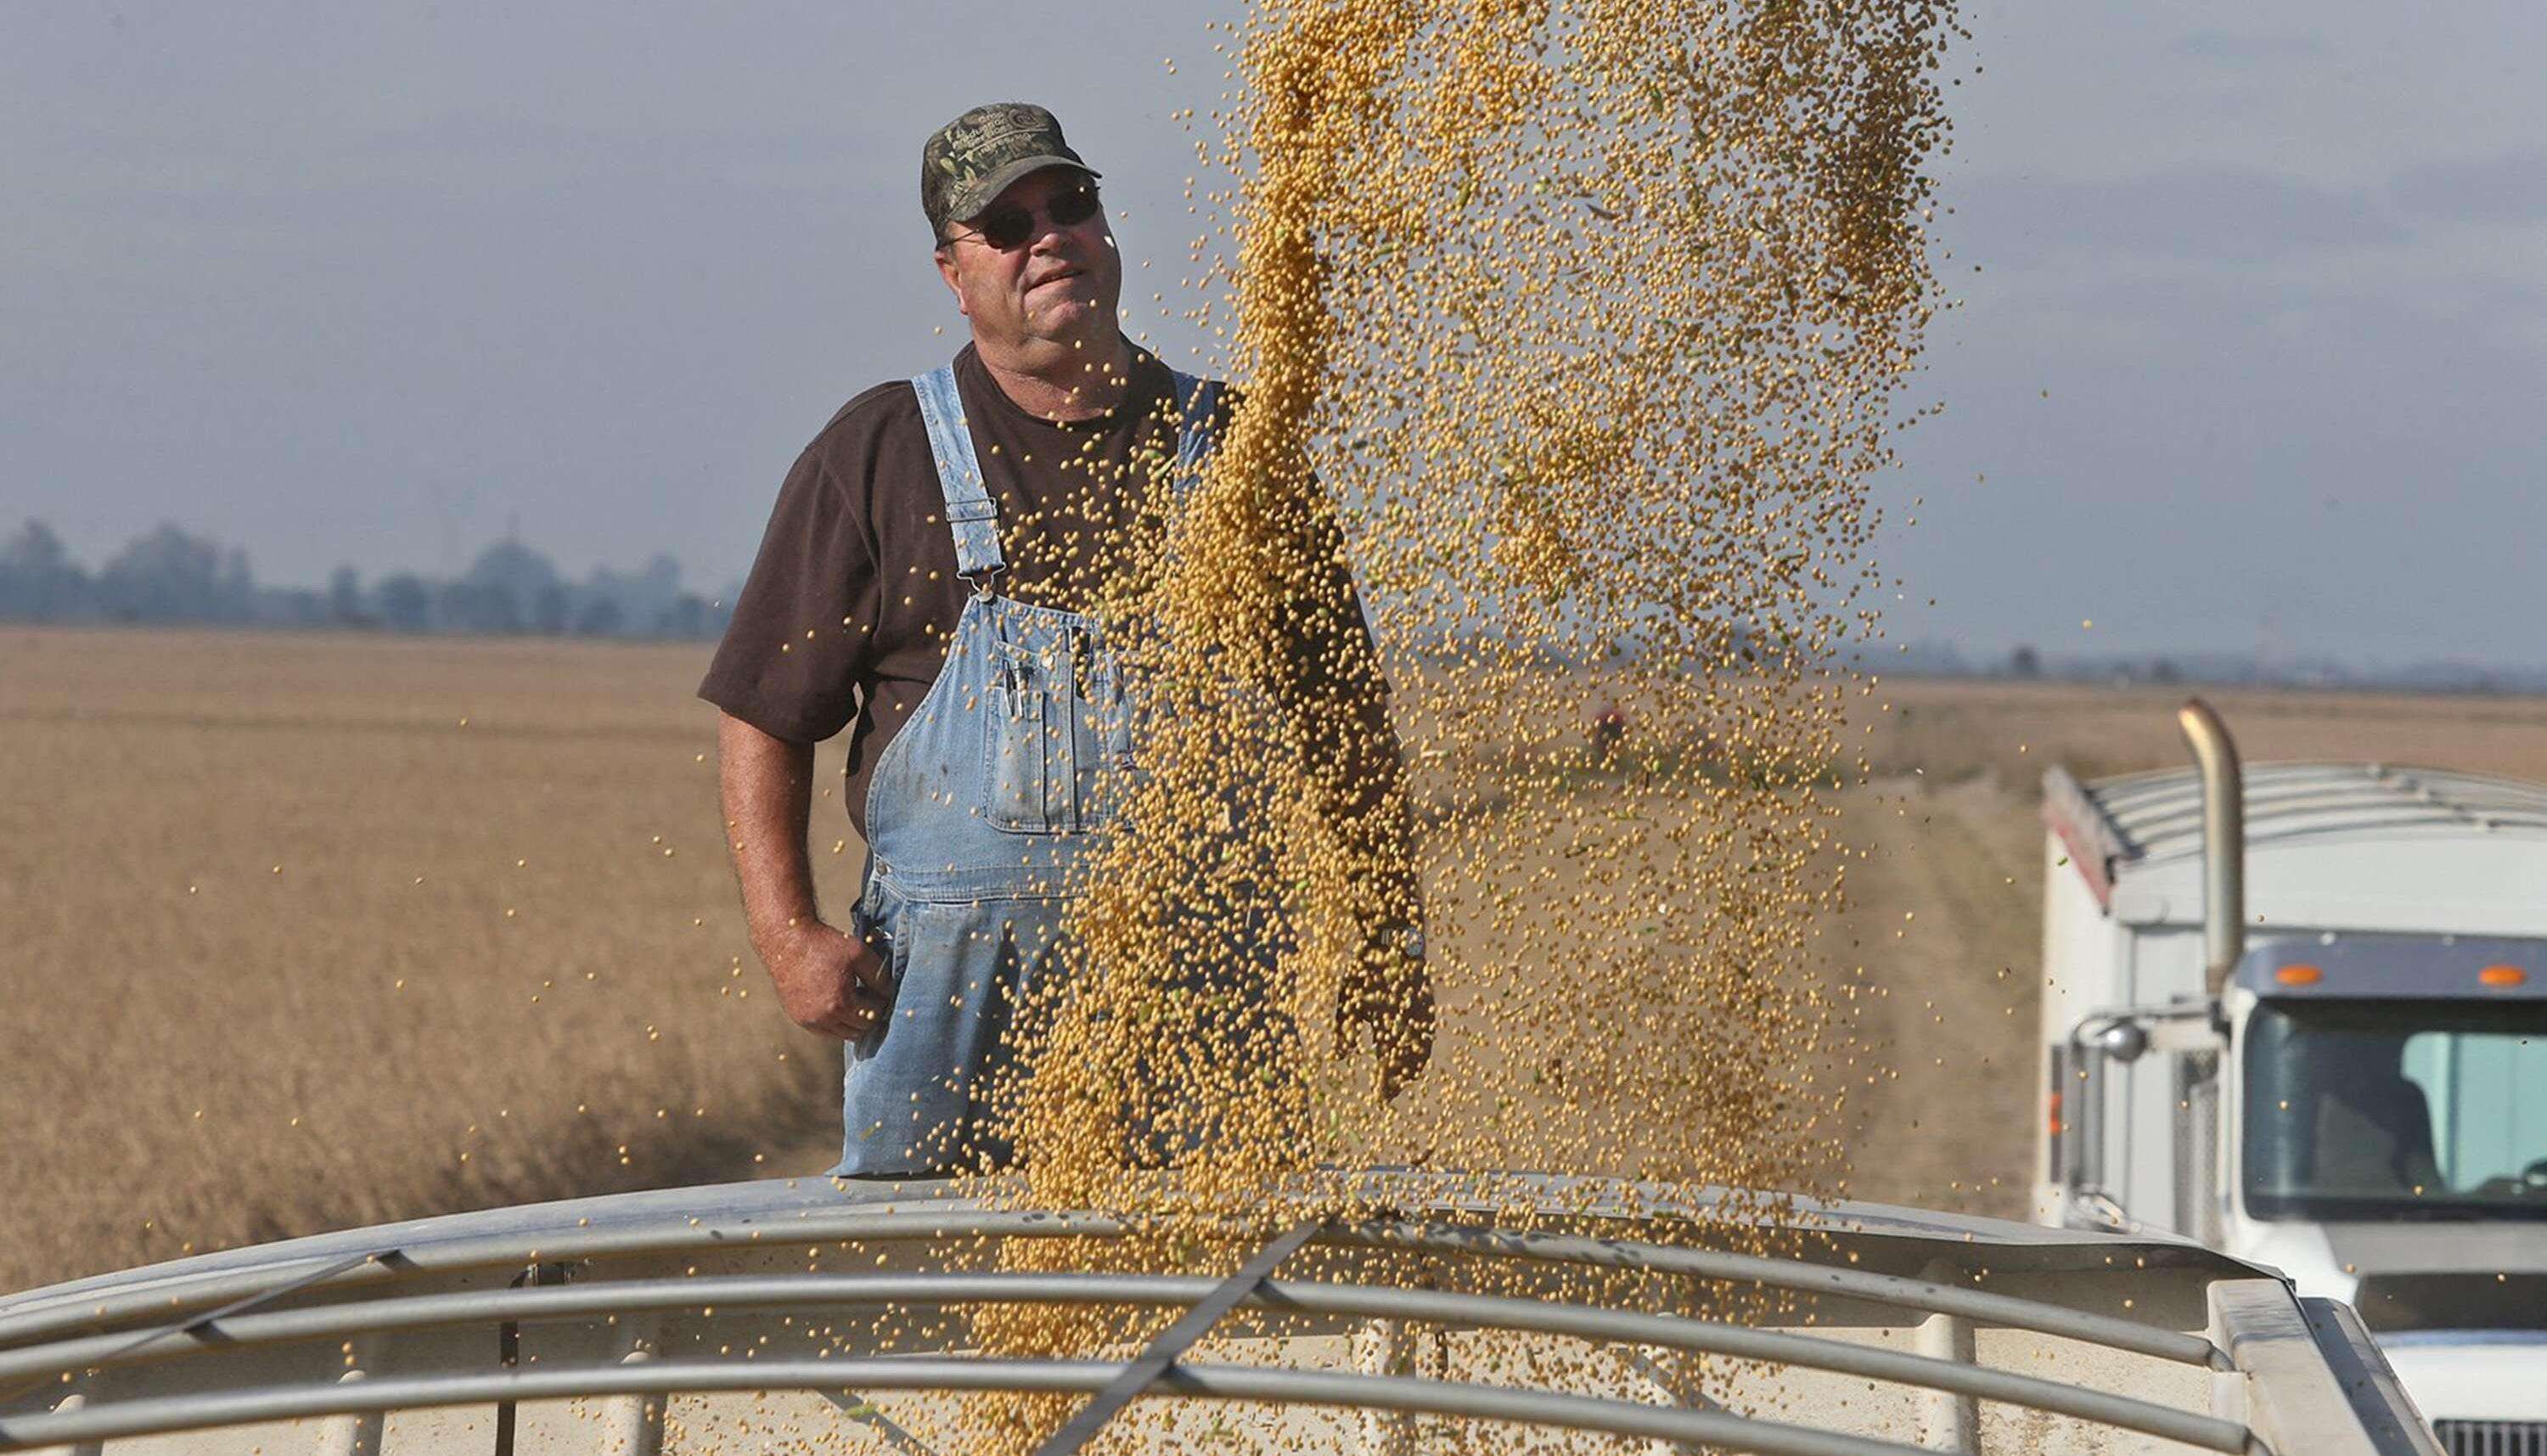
[2345, 1078]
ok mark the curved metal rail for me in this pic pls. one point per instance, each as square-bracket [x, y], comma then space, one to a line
[84, 1340]
[1395, 1393]
[867, 1227]
[838, 1291]
[1920, 1295]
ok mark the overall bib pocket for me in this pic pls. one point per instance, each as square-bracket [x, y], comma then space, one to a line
[1057, 734]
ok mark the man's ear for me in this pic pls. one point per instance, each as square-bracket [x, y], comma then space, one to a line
[946, 258]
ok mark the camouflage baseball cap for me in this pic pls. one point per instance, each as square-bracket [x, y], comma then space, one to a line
[972, 158]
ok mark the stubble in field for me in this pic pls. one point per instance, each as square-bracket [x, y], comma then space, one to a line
[311, 931]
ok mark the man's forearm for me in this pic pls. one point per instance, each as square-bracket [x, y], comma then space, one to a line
[766, 787]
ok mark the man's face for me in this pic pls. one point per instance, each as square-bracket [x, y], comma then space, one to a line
[1060, 285]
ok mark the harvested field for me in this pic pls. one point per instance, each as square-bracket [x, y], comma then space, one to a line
[304, 931]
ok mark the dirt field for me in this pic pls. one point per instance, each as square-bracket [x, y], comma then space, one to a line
[303, 931]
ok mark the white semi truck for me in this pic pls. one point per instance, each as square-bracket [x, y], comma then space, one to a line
[2298, 1014]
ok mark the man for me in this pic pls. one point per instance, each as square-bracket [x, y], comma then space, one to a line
[924, 583]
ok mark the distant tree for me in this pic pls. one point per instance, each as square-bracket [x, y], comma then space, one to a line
[2023, 662]
[234, 594]
[345, 598]
[455, 606]
[600, 617]
[550, 609]
[163, 575]
[500, 609]
[39, 582]
[661, 575]
[299, 607]
[687, 618]
[168, 575]
[406, 603]
[514, 568]
[2163, 670]
[504, 588]
[647, 597]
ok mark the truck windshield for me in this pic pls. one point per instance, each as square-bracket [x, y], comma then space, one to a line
[2381, 1110]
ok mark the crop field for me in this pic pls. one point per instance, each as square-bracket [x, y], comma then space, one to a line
[310, 932]
[303, 931]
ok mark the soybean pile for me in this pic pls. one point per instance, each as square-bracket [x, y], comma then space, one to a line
[1582, 331]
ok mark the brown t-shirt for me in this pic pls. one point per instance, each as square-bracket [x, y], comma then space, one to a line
[845, 617]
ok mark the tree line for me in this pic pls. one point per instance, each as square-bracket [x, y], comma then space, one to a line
[169, 575]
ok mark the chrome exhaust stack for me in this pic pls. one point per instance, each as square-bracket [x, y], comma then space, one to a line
[2223, 842]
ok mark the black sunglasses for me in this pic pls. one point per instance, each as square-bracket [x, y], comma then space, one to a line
[1009, 225]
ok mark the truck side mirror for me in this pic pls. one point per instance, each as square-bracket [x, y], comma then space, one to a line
[2124, 1041]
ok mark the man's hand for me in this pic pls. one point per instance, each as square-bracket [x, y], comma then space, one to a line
[829, 983]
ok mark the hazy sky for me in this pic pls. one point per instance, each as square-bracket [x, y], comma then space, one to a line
[2256, 353]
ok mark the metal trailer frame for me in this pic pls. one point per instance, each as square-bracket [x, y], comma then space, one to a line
[91, 1362]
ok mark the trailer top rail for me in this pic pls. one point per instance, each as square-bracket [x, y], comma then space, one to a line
[633, 1306]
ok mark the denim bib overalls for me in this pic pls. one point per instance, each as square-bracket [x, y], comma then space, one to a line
[979, 814]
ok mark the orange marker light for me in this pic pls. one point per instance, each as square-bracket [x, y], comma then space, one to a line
[2299, 976]
[2501, 976]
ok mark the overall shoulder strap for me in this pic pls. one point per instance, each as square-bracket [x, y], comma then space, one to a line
[970, 512]
[1198, 402]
